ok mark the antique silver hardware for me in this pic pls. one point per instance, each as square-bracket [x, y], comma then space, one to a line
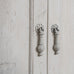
[40, 35]
[55, 32]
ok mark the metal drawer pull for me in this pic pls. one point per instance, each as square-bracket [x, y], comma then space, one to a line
[55, 31]
[40, 36]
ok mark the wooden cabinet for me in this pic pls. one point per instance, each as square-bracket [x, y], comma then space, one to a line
[36, 36]
[48, 13]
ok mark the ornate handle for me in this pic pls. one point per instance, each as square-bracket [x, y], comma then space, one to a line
[55, 31]
[40, 43]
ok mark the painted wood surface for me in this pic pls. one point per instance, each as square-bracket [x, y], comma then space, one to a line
[14, 36]
[18, 19]
[61, 12]
[38, 16]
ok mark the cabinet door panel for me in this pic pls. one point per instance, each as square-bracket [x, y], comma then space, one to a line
[14, 36]
[38, 15]
[61, 12]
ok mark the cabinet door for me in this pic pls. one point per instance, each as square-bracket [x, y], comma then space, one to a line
[61, 12]
[38, 37]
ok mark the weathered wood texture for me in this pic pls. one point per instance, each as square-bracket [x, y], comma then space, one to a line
[16, 18]
[39, 16]
[61, 12]
[14, 36]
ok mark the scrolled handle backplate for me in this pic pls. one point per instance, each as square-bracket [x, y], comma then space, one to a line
[40, 42]
[55, 32]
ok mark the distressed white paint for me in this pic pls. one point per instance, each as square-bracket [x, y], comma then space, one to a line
[40, 17]
[14, 36]
[61, 12]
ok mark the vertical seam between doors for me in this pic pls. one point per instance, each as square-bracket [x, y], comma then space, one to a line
[47, 30]
[31, 23]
